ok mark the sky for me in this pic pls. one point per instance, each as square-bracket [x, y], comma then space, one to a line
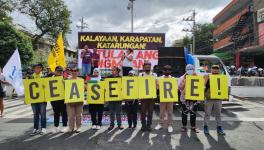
[150, 16]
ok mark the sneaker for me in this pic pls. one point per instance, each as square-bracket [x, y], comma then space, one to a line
[206, 130]
[98, 127]
[183, 129]
[158, 127]
[94, 127]
[43, 131]
[56, 130]
[78, 130]
[134, 127]
[143, 128]
[120, 127]
[67, 130]
[194, 129]
[220, 130]
[149, 128]
[170, 129]
[34, 132]
[110, 128]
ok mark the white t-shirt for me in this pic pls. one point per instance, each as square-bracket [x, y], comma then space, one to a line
[126, 62]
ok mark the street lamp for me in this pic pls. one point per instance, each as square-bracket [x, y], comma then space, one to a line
[130, 6]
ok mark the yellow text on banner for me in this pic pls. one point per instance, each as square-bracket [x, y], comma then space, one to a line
[147, 87]
[218, 87]
[56, 56]
[168, 88]
[95, 93]
[129, 88]
[194, 88]
[74, 91]
[54, 88]
[34, 91]
[113, 89]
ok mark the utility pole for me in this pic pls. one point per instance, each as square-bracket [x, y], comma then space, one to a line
[130, 6]
[191, 19]
[83, 24]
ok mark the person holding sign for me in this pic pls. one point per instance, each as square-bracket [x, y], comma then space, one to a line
[115, 107]
[39, 109]
[147, 105]
[75, 109]
[59, 108]
[127, 59]
[213, 105]
[96, 110]
[132, 108]
[166, 106]
[187, 106]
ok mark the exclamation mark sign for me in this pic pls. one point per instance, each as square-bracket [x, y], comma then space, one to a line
[218, 86]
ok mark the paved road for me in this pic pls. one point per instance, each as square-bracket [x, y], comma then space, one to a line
[243, 121]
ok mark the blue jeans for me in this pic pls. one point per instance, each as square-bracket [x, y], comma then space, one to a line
[86, 69]
[39, 109]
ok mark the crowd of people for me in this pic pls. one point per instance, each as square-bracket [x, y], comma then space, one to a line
[71, 113]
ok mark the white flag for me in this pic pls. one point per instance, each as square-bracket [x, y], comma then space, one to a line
[13, 73]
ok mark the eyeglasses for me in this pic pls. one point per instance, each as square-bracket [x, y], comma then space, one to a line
[74, 70]
[215, 68]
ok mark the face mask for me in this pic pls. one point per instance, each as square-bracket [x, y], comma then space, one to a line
[189, 72]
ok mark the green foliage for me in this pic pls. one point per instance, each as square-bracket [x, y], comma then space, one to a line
[10, 39]
[204, 39]
[6, 6]
[50, 17]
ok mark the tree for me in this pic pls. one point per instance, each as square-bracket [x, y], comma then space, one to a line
[50, 17]
[10, 39]
[203, 39]
[6, 6]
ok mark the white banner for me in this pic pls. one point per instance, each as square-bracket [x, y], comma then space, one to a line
[13, 73]
[110, 58]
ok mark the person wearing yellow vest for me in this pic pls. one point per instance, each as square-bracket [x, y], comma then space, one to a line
[39, 109]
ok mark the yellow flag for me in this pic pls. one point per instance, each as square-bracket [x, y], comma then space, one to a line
[147, 87]
[218, 87]
[113, 89]
[34, 91]
[95, 93]
[168, 88]
[194, 88]
[129, 87]
[56, 56]
[54, 88]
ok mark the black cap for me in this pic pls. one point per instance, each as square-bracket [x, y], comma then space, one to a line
[167, 67]
[59, 68]
[38, 65]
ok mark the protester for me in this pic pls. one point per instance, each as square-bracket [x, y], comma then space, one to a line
[96, 110]
[187, 106]
[74, 110]
[67, 73]
[166, 107]
[132, 108]
[115, 107]
[39, 109]
[95, 60]
[59, 107]
[127, 59]
[212, 105]
[86, 56]
[2, 92]
[147, 105]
